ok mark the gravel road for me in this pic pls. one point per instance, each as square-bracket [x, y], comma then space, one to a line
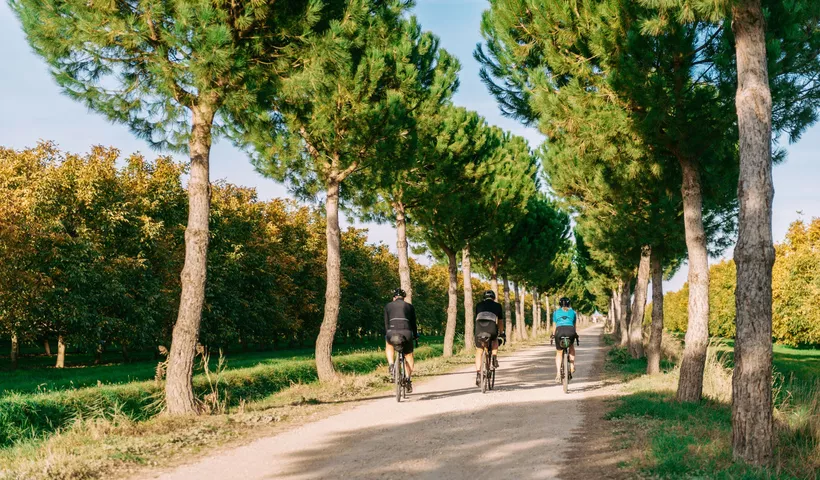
[447, 429]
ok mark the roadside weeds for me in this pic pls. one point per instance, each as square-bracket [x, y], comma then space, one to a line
[118, 446]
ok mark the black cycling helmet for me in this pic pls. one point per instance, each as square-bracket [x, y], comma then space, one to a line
[564, 302]
[489, 295]
[399, 293]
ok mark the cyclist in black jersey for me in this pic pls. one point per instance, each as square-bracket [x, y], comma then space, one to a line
[400, 322]
[489, 319]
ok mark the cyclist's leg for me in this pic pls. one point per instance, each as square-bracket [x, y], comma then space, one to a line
[572, 358]
[558, 363]
[409, 363]
[494, 347]
[478, 352]
[390, 352]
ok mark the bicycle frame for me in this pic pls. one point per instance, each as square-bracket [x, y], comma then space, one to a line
[398, 376]
[565, 343]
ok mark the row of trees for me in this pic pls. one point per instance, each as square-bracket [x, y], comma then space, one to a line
[93, 255]
[659, 118]
[795, 280]
[94, 250]
[347, 101]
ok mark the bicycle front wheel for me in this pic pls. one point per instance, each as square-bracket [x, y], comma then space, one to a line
[565, 372]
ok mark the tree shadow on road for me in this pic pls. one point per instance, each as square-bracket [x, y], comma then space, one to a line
[520, 442]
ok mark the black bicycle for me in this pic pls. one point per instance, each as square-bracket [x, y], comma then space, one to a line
[487, 369]
[398, 375]
[566, 374]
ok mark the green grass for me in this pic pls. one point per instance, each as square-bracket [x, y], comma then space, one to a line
[41, 411]
[38, 375]
[693, 440]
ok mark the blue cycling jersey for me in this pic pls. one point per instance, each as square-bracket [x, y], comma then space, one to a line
[564, 318]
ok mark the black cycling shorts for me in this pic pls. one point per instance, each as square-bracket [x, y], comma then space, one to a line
[406, 345]
[564, 332]
[485, 329]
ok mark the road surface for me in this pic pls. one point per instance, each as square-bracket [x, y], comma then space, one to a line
[447, 429]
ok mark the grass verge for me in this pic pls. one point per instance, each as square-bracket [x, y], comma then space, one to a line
[670, 439]
[114, 444]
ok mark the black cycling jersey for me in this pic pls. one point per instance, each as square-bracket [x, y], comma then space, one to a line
[490, 306]
[400, 309]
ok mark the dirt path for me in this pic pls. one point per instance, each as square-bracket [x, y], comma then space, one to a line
[447, 429]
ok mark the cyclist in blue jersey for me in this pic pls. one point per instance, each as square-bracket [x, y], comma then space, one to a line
[563, 325]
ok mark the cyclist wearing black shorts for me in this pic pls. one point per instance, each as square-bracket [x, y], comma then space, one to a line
[489, 321]
[400, 331]
[563, 321]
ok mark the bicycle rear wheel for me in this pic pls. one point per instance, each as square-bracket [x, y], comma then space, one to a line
[565, 370]
[398, 376]
[492, 379]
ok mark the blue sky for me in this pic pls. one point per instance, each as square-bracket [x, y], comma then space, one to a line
[32, 108]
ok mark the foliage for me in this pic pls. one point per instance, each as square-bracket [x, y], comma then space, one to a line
[94, 250]
[795, 292]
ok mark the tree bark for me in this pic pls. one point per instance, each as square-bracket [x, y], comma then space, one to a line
[524, 334]
[15, 351]
[401, 248]
[548, 313]
[754, 254]
[47, 347]
[507, 313]
[653, 351]
[623, 321]
[179, 394]
[690, 383]
[469, 311]
[536, 315]
[125, 356]
[518, 317]
[60, 352]
[452, 303]
[494, 279]
[639, 305]
[333, 289]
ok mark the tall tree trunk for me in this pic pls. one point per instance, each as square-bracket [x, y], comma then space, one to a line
[611, 315]
[125, 356]
[47, 347]
[15, 351]
[548, 312]
[507, 312]
[179, 394]
[524, 334]
[494, 279]
[690, 383]
[754, 253]
[623, 321]
[333, 289]
[616, 309]
[60, 352]
[469, 311]
[519, 319]
[638, 308]
[401, 248]
[452, 302]
[536, 316]
[653, 351]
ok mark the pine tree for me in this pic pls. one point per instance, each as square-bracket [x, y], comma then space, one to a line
[178, 73]
[343, 113]
[459, 159]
